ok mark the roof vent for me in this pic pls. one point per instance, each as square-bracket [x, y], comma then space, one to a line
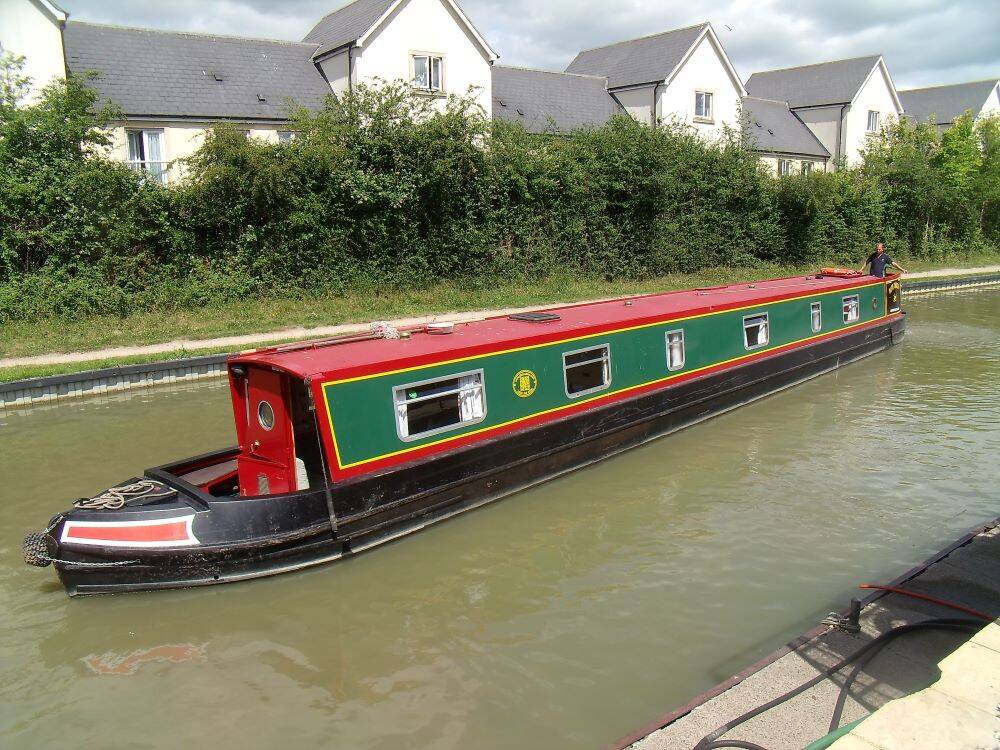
[520, 111]
[756, 123]
[534, 317]
[502, 102]
[218, 76]
[440, 329]
[261, 98]
[770, 132]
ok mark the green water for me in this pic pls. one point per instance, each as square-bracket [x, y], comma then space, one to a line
[562, 617]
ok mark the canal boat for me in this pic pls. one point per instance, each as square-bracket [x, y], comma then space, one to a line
[348, 443]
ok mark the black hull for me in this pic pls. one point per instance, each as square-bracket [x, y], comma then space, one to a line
[377, 509]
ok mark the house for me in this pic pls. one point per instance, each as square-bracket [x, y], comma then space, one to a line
[781, 139]
[842, 102]
[430, 43]
[942, 105]
[683, 76]
[33, 29]
[171, 87]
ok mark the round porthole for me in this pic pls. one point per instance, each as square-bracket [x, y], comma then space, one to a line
[265, 414]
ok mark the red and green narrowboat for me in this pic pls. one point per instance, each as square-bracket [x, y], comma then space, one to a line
[348, 443]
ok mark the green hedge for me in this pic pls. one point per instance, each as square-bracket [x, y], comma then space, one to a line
[379, 189]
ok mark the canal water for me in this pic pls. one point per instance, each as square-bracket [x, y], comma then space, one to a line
[562, 617]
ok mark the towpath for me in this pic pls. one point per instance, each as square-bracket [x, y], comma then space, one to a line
[235, 343]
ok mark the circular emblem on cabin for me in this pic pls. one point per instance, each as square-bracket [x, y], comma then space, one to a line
[525, 383]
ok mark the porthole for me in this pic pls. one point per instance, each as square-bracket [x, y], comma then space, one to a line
[265, 415]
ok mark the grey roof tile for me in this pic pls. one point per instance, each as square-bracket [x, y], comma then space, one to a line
[346, 25]
[172, 74]
[946, 103]
[774, 128]
[833, 82]
[536, 98]
[644, 60]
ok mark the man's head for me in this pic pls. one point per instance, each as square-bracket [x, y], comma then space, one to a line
[880, 247]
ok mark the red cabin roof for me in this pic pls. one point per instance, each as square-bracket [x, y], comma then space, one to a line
[349, 358]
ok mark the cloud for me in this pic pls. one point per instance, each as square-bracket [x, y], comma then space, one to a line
[924, 41]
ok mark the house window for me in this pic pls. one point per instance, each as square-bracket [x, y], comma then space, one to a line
[703, 105]
[807, 167]
[755, 333]
[675, 350]
[852, 309]
[427, 72]
[145, 153]
[784, 167]
[587, 370]
[873, 121]
[433, 406]
[286, 136]
[816, 316]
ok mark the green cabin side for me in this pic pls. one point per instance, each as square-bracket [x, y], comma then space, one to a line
[363, 411]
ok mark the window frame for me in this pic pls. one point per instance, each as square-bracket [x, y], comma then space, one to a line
[286, 136]
[814, 308]
[767, 331]
[430, 57]
[143, 165]
[784, 167]
[878, 121]
[707, 97]
[857, 308]
[607, 368]
[806, 167]
[397, 389]
[666, 338]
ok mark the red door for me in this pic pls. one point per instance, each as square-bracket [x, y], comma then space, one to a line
[267, 455]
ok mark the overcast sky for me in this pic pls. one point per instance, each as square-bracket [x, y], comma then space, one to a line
[924, 42]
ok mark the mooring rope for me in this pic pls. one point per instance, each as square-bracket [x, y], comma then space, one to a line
[116, 498]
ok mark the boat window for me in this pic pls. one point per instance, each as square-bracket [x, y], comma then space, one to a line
[587, 370]
[816, 316]
[675, 350]
[755, 331]
[433, 406]
[852, 309]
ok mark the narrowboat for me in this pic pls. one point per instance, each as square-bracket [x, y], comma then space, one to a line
[347, 443]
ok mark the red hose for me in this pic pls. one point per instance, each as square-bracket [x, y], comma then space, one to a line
[932, 599]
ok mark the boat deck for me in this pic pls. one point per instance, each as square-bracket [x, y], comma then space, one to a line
[968, 573]
[476, 337]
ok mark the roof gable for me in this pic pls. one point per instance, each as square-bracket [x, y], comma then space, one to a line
[540, 100]
[836, 82]
[946, 103]
[170, 74]
[774, 128]
[355, 22]
[649, 59]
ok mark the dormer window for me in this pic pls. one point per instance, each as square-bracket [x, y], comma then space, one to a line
[703, 110]
[428, 73]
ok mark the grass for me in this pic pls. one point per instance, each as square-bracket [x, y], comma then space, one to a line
[46, 336]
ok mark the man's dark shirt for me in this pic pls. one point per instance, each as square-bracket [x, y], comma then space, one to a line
[879, 262]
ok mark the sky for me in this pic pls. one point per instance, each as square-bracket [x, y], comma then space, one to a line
[925, 42]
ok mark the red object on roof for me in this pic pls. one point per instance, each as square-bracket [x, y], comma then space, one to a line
[361, 355]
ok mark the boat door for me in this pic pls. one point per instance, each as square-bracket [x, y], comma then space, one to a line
[267, 453]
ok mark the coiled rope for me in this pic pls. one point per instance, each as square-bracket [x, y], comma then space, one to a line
[141, 492]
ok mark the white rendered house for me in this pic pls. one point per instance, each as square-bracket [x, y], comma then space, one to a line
[842, 102]
[33, 29]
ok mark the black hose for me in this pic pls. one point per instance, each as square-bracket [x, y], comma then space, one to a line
[872, 647]
[734, 743]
